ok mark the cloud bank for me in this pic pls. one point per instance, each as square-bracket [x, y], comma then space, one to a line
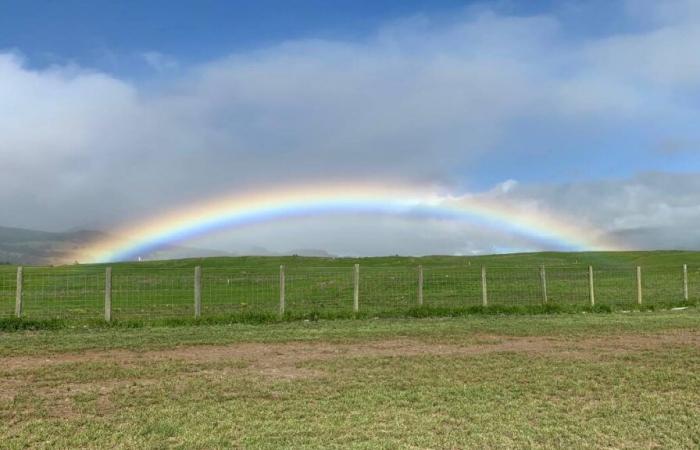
[596, 127]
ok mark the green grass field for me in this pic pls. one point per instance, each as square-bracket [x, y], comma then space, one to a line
[247, 288]
[618, 380]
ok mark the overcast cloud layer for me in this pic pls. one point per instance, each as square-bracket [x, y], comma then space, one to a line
[602, 128]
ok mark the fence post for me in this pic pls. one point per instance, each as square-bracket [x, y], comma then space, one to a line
[356, 289]
[420, 285]
[484, 294]
[685, 282]
[108, 294]
[639, 285]
[591, 290]
[18, 297]
[197, 292]
[281, 312]
[543, 278]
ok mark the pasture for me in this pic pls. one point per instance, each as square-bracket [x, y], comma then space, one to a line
[616, 380]
[248, 288]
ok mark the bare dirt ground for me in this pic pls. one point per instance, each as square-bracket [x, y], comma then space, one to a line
[277, 359]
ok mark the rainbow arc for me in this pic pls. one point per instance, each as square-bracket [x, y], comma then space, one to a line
[235, 211]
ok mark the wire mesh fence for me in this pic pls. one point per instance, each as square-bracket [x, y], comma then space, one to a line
[239, 291]
[317, 290]
[152, 293]
[694, 282]
[161, 293]
[446, 287]
[8, 289]
[567, 286]
[59, 293]
[615, 286]
[387, 289]
[514, 286]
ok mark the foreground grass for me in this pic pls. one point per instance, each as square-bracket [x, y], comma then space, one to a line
[571, 380]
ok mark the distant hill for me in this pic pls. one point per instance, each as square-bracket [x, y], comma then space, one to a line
[23, 246]
[33, 247]
[627, 260]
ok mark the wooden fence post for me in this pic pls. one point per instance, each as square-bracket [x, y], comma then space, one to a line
[639, 285]
[197, 292]
[484, 291]
[18, 297]
[685, 282]
[420, 285]
[281, 312]
[356, 289]
[543, 279]
[108, 294]
[591, 290]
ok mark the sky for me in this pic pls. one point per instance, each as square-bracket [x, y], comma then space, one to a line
[112, 113]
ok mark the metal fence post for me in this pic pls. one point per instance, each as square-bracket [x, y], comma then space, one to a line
[18, 297]
[685, 282]
[420, 285]
[356, 288]
[591, 290]
[543, 279]
[639, 285]
[197, 292]
[108, 294]
[484, 291]
[281, 312]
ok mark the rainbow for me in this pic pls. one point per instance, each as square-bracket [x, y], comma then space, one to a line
[246, 209]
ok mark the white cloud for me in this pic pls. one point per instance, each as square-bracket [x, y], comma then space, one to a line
[159, 61]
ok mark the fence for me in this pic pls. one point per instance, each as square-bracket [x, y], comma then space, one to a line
[155, 293]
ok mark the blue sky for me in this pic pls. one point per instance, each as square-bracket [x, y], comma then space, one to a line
[106, 34]
[90, 32]
[160, 104]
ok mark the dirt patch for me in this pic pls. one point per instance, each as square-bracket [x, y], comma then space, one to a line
[272, 356]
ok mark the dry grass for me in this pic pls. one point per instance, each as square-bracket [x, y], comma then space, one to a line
[511, 383]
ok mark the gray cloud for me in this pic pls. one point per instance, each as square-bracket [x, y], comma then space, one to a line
[648, 211]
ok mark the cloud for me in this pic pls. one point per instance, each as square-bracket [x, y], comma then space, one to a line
[159, 61]
[444, 101]
[651, 210]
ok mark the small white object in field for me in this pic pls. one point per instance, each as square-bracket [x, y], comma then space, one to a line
[679, 308]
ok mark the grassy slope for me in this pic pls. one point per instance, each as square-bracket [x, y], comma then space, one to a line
[632, 258]
[248, 286]
[661, 257]
[627, 397]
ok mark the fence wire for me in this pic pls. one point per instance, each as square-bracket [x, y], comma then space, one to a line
[388, 289]
[446, 287]
[315, 290]
[157, 293]
[8, 289]
[152, 293]
[239, 292]
[514, 286]
[59, 293]
[694, 282]
[567, 285]
[661, 286]
[615, 286]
